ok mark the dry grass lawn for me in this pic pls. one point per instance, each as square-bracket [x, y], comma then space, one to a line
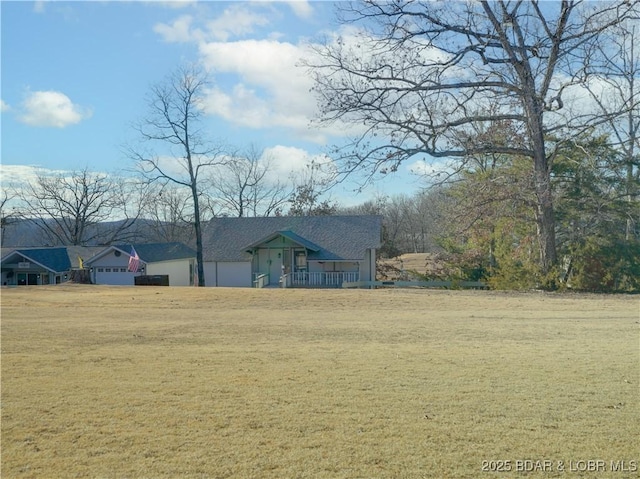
[121, 382]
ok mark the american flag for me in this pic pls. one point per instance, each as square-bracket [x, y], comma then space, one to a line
[134, 261]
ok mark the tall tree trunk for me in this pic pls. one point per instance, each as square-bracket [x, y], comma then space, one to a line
[630, 153]
[630, 181]
[545, 221]
[545, 217]
[198, 228]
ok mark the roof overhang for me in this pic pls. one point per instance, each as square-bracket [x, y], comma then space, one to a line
[23, 254]
[104, 252]
[290, 235]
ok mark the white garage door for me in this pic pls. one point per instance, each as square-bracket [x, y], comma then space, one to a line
[115, 276]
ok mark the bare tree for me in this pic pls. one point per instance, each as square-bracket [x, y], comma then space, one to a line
[421, 74]
[244, 186]
[174, 125]
[169, 214]
[7, 215]
[307, 198]
[71, 208]
[615, 87]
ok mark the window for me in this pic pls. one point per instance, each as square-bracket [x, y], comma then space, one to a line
[107, 270]
[100, 270]
[301, 260]
[123, 270]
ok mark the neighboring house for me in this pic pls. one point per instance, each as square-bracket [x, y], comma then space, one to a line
[41, 266]
[309, 251]
[176, 260]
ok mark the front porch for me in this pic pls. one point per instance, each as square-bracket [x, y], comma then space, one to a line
[333, 279]
[286, 260]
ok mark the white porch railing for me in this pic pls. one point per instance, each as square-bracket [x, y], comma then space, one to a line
[261, 280]
[318, 280]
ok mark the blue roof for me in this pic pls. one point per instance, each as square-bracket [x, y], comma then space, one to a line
[64, 258]
[55, 260]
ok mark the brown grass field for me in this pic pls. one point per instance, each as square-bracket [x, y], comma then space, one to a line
[123, 382]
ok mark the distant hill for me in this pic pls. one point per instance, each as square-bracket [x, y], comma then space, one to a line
[27, 233]
[21, 233]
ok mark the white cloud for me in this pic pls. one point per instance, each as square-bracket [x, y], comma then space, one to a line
[301, 8]
[253, 59]
[286, 160]
[437, 170]
[259, 83]
[291, 162]
[237, 20]
[4, 107]
[51, 109]
[271, 91]
[17, 175]
[179, 31]
[241, 106]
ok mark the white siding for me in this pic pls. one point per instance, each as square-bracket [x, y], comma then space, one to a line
[112, 269]
[235, 274]
[228, 274]
[368, 266]
[210, 276]
[178, 271]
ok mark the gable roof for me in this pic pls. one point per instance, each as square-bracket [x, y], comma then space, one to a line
[287, 234]
[151, 253]
[329, 238]
[156, 252]
[55, 260]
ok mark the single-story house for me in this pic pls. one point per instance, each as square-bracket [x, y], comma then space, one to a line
[105, 265]
[41, 266]
[286, 251]
[175, 260]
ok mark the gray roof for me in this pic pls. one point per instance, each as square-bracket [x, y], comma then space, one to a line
[290, 235]
[335, 238]
[84, 252]
[155, 252]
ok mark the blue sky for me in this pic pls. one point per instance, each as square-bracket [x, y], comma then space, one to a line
[75, 76]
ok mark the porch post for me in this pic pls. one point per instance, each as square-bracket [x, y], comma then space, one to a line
[372, 269]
